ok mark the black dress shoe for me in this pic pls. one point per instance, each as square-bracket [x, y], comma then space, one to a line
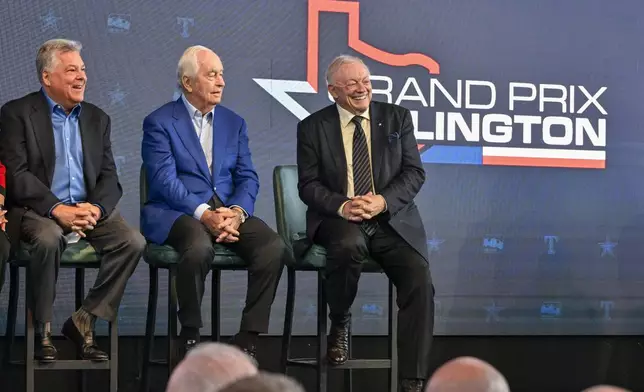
[45, 350]
[248, 348]
[411, 385]
[338, 344]
[87, 348]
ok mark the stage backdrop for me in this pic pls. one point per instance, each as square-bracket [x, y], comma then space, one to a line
[528, 116]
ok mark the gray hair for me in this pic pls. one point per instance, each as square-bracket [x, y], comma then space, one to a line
[339, 62]
[605, 388]
[188, 64]
[265, 382]
[46, 57]
[209, 367]
[467, 374]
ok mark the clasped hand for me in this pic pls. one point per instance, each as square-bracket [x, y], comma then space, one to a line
[3, 220]
[223, 223]
[363, 207]
[79, 218]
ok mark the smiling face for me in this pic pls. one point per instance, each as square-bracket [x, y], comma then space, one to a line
[351, 87]
[65, 79]
[205, 89]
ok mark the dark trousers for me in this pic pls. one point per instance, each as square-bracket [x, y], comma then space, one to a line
[261, 247]
[119, 245]
[4, 255]
[347, 249]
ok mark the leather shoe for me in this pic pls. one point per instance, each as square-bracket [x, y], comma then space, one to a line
[338, 344]
[411, 385]
[45, 350]
[87, 348]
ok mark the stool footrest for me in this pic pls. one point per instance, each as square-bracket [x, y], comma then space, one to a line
[349, 364]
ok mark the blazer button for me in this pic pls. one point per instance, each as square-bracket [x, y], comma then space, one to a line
[214, 189]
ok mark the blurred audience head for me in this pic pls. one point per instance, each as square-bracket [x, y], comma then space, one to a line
[209, 367]
[605, 388]
[265, 382]
[467, 374]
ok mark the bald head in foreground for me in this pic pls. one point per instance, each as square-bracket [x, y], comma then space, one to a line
[265, 382]
[209, 367]
[605, 388]
[467, 374]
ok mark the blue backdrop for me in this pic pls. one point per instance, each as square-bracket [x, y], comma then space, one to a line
[522, 240]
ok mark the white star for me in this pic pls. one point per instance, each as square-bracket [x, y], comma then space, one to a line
[607, 247]
[434, 243]
[116, 95]
[492, 312]
[50, 21]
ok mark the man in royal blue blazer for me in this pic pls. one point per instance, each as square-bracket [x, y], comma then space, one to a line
[202, 190]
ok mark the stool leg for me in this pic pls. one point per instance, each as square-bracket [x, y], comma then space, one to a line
[215, 306]
[114, 356]
[150, 323]
[288, 318]
[322, 325]
[80, 294]
[393, 338]
[172, 319]
[29, 337]
[12, 316]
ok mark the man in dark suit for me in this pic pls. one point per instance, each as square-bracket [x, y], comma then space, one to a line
[4, 240]
[62, 186]
[203, 188]
[359, 171]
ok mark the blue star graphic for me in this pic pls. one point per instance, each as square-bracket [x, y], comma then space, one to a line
[50, 21]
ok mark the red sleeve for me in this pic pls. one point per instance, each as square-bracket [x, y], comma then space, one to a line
[3, 180]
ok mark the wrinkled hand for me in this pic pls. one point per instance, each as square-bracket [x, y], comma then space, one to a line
[96, 212]
[74, 218]
[369, 205]
[229, 225]
[3, 220]
[352, 211]
[219, 225]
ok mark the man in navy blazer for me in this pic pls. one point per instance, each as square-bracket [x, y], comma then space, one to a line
[202, 190]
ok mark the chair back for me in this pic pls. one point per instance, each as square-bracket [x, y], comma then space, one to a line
[290, 211]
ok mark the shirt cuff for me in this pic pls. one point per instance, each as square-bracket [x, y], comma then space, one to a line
[100, 208]
[200, 210]
[243, 210]
[342, 208]
[49, 215]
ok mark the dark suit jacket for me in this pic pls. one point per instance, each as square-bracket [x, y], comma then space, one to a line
[27, 150]
[397, 168]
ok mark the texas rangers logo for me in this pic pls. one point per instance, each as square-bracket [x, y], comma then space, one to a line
[471, 127]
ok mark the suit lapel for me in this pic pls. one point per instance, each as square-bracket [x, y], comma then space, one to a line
[378, 143]
[89, 142]
[219, 142]
[44, 131]
[333, 133]
[186, 131]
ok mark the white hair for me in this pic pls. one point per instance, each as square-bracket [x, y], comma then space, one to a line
[605, 388]
[188, 63]
[265, 382]
[467, 374]
[339, 62]
[46, 58]
[209, 367]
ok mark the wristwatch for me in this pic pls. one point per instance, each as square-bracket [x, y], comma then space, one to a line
[243, 216]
